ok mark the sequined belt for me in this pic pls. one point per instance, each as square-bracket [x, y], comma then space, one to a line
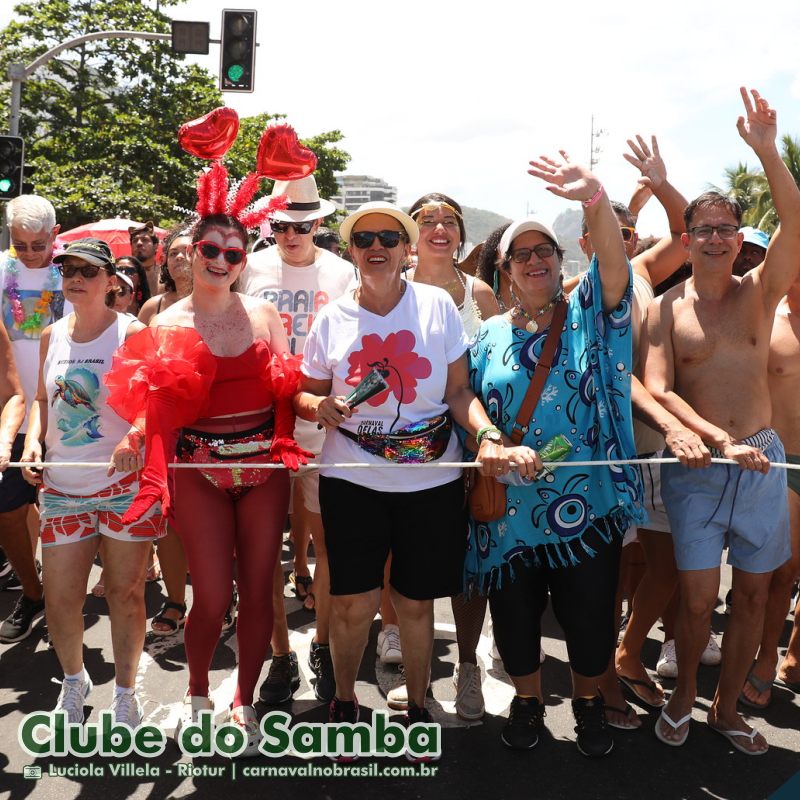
[416, 443]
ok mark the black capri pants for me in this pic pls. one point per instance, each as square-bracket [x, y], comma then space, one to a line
[583, 603]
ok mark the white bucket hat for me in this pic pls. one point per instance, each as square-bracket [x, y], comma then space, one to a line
[380, 207]
[304, 201]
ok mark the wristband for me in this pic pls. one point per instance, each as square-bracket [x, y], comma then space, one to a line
[594, 198]
[486, 429]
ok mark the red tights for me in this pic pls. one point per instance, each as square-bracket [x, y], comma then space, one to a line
[213, 528]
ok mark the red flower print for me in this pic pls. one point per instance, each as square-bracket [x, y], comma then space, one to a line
[395, 359]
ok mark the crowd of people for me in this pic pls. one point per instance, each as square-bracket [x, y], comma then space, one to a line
[223, 357]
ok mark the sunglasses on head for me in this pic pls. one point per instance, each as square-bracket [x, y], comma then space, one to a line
[298, 227]
[388, 239]
[128, 270]
[86, 270]
[232, 255]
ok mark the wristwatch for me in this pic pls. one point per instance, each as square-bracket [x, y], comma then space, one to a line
[492, 434]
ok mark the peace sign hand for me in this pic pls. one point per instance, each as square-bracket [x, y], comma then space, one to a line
[567, 180]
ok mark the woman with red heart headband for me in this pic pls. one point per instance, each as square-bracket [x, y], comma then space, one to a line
[214, 381]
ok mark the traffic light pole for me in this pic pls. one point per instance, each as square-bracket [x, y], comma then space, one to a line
[18, 73]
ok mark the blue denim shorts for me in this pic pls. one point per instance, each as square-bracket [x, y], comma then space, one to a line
[725, 505]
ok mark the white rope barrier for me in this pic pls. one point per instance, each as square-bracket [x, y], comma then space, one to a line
[387, 465]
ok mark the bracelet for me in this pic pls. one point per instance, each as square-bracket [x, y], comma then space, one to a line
[594, 198]
[483, 431]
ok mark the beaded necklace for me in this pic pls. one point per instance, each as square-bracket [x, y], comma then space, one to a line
[532, 325]
[468, 298]
[41, 309]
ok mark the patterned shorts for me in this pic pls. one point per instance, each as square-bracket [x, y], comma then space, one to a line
[68, 518]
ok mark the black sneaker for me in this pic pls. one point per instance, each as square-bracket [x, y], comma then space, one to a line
[319, 660]
[5, 564]
[414, 715]
[342, 711]
[525, 723]
[282, 681]
[18, 625]
[13, 583]
[594, 738]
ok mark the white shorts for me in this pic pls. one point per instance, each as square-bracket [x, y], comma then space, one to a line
[309, 485]
[653, 504]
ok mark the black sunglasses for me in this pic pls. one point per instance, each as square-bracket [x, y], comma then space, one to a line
[388, 239]
[297, 227]
[86, 270]
[128, 270]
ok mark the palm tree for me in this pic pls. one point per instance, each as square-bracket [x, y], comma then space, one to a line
[752, 190]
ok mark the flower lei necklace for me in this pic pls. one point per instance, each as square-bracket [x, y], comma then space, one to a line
[41, 308]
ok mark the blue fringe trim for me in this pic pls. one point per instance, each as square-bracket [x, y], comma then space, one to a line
[554, 555]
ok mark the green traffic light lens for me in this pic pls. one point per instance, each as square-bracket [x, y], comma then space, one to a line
[235, 72]
[5, 185]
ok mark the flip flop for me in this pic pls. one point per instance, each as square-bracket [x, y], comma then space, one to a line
[99, 589]
[735, 738]
[792, 686]
[633, 683]
[674, 725]
[761, 686]
[626, 712]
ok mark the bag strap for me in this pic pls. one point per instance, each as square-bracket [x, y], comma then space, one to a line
[540, 373]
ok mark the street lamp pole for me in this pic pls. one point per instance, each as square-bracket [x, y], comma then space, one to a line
[18, 73]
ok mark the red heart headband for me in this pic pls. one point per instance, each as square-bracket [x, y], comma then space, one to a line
[280, 157]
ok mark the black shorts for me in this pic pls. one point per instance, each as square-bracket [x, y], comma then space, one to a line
[15, 491]
[425, 532]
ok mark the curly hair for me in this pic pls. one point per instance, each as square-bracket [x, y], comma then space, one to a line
[486, 269]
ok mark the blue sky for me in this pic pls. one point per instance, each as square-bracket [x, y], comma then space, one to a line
[458, 96]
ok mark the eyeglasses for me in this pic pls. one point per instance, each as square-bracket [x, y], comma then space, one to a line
[36, 248]
[523, 255]
[232, 255]
[302, 228]
[388, 239]
[707, 231]
[86, 270]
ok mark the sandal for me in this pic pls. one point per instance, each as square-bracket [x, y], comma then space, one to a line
[99, 589]
[230, 614]
[174, 624]
[153, 572]
[301, 585]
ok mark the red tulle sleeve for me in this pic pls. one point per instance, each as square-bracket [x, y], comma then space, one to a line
[159, 376]
[171, 358]
[284, 382]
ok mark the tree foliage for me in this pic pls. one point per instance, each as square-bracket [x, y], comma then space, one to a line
[100, 120]
[751, 189]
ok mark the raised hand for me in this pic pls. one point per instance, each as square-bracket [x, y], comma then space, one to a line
[760, 128]
[649, 163]
[571, 181]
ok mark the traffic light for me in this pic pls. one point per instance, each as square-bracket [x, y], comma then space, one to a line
[12, 157]
[238, 51]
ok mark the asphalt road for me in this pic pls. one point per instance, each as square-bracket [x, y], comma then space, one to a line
[474, 762]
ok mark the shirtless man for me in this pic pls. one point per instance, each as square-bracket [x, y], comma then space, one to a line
[706, 349]
[784, 387]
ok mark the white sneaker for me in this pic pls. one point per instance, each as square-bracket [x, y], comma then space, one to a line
[712, 655]
[469, 696]
[190, 712]
[397, 698]
[244, 717]
[389, 650]
[72, 697]
[667, 666]
[127, 709]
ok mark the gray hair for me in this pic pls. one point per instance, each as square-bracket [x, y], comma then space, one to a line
[31, 213]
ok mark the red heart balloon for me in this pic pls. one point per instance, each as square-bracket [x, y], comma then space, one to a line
[210, 136]
[282, 157]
